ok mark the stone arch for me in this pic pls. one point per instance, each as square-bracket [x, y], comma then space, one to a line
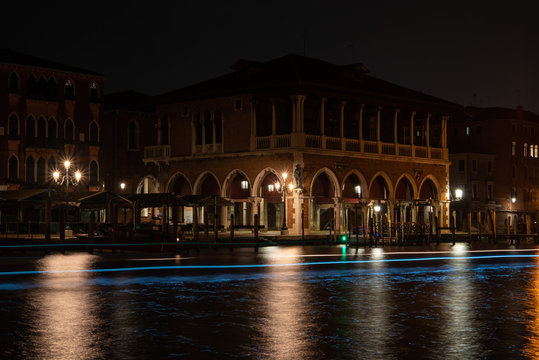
[362, 182]
[151, 186]
[197, 187]
[412, 182]
[435, 184]
[388, 184]
[171, 185]
[332, 178]
[257, 184]
[228, 183]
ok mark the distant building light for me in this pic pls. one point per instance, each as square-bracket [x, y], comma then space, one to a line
[467, 130]
[513, 200]
[458, 194]
[357, 190]
[377, 208]
[244, 185]
[271, 188]
[122, 186]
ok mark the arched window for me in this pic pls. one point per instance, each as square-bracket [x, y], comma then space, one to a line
[13, 82]
[13, 130]
[42, 87]
[94, 92]
[30, 127]
[30, 170]
[94, 133]
[13, 168]
[52, 165]
[68, 131]
[198, 129]
[208, 129]
[31, 86]
[52, 88]
[52, 133]
[41, 131]
[69, 90]
[132, 135]
[164, 130]
[41, 171]
[94, 172]
[218, 127]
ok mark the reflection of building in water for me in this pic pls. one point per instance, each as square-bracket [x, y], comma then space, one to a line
[532, 347]
[356, 139]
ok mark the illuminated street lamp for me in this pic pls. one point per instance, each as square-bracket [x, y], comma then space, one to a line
[458, 194]
[122, 186]
[278, 188]
[513, 199]
[67, 179]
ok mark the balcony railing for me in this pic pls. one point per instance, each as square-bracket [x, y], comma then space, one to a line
[370, 147]
[348, 145]
[333, 143]
[421, 151]
[157, 153]
[282, 141]
[313, 141]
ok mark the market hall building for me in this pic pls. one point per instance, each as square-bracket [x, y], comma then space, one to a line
[354, 147]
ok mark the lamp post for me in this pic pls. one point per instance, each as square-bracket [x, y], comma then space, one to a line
[68, 179]
[284, 228]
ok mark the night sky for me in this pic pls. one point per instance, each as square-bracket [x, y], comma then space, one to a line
[483, 53]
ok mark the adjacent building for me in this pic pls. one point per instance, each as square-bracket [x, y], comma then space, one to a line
[49, 112]
[495, 161]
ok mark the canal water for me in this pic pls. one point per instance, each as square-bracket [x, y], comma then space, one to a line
[325, 302]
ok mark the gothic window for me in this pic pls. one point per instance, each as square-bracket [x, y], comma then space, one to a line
[68, 131]
[94, 92]
[13, 82]
[13, 130]
[94, 133]
[69, 90]
[93, 172]
[13, 167]
[132, 136]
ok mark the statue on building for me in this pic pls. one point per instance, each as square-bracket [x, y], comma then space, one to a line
[298, 174]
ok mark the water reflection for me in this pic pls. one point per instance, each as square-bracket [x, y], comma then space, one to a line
[532, 347]
[64, 319]
[458, 337]
[284, 325]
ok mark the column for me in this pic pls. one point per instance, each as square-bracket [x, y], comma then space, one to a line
[428, 130]
[253, 128]
[361, 127]
[343, 142]
[213, 138]
[412, 129]
[322, 115]
[395, 129]
[337, 214]
[378, 143]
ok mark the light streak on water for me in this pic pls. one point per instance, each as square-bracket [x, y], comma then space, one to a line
[255, 266]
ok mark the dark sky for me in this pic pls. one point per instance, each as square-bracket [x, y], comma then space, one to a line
[471, 52]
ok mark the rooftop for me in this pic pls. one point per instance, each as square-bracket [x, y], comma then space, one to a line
[295, 74]
[9, 56]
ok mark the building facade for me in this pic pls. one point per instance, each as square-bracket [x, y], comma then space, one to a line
[49, 112]
[495, 161]
[354, 148]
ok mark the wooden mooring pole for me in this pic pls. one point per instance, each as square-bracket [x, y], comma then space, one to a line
[256, 232]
